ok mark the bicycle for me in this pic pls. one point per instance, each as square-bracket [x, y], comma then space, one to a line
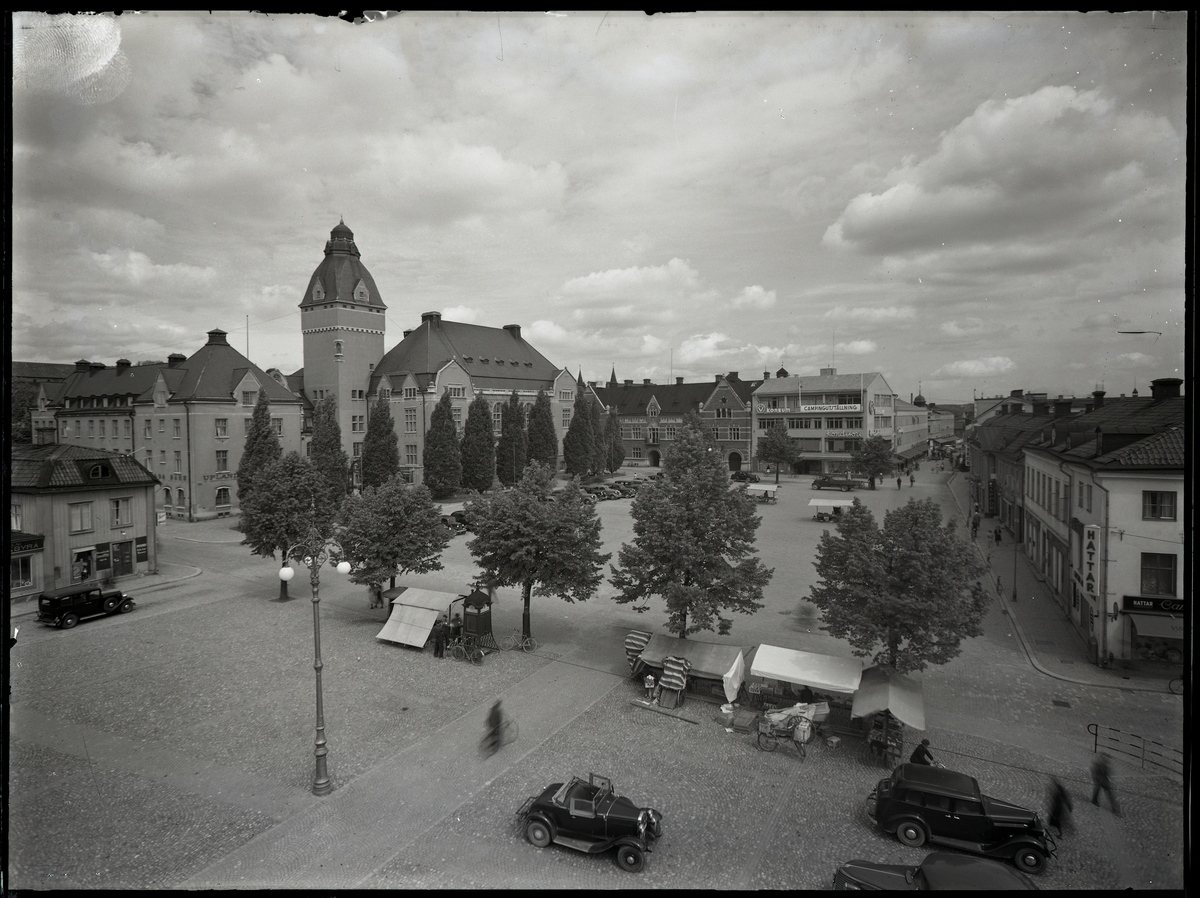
[492, 742]
[519, 640]
[1176, 686]
[465, 648]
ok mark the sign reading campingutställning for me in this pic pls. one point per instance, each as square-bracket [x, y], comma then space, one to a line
[853, 407]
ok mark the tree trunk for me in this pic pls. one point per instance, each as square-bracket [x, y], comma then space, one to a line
[527, 591]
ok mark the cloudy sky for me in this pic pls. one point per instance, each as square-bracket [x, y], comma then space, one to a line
[967, 203]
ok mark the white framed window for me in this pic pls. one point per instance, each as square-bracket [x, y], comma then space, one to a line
[1158, 506]
[410, 454]
[122, 510]
[358, 423]
[162, 425]
[566, 395]
[566, 417]
[178, 462]
[410, 392]
[277, 423]
[636, 452]
[457, 391]
[456, 415]
[410, 420]
[176, 429]
[15, 515]
[222, 426]
[222, 497]
[162, 456]
[80, 516]
[356, 450]
[101, 428]
[249, 397]
[20, 572]
[222, 459]
[128, 428]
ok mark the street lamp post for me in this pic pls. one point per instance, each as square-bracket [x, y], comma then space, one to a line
[313, 552]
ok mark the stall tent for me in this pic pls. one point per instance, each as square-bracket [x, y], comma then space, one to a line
[823, 673]
[413, 614]
[708, 660]
[885, 690]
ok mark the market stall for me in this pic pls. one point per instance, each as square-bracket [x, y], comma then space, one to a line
[413, 614]
[762, 492]
[885, 702]
[827, 508]
[784, 674]
[714, 672]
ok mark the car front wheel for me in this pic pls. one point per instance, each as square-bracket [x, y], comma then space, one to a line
[68, 621]
[630, 858]
[1030, 860]
[911, 834]
[845, 489]
[538, 833]
[110, 604]
[125, 607]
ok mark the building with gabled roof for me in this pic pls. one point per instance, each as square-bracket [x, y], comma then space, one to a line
[1103, 524]
[185, 421]
[78, 514]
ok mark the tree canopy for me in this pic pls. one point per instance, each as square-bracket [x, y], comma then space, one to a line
[327, 455]
[541, 437]
[599, 437]
[577, 444]
[511, 449]
[478, 447]
[528, 538]
[260, 449]
[282, 507]
[381, 446]
[873, 458]
[777, 448]
[391, 529]
[906, 594]
[443, 463]
[693, 541]
[24, 396]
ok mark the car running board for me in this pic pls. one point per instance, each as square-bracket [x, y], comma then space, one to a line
[583, 845]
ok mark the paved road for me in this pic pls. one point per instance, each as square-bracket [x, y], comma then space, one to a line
[184, 747]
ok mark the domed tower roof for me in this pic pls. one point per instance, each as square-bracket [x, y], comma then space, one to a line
[918, 399]
[341, 277]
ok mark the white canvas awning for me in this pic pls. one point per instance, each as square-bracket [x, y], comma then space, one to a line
[836, 503]
[709, 660]
[421, 598]
[409, 625]
[761, 489]
[882, 689]
[824, 673]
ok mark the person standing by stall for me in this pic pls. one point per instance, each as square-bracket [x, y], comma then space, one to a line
[921, 754]
[439, 639]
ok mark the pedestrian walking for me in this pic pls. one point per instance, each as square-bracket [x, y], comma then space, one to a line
[997, 536]
[1060, 805]
[975, 525]
[922, 755]
[912, 480]
[1102, 782]
[439, 639]
[899, 483]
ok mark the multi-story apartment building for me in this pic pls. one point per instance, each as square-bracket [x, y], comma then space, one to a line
[78, 514]
[185, 421]
[827, 416]
[911, 438]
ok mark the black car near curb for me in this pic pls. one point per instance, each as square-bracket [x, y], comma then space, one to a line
[939, 872]
[920, 804]
[837, 482]
[744, 477]
[589, 816]
[64, 607]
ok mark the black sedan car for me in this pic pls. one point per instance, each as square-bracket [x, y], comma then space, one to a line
[589, 816]
[64, 607]
[930, 804]
[744, 477]
[940, 871]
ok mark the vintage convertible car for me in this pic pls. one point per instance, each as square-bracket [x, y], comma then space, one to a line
[590, 817]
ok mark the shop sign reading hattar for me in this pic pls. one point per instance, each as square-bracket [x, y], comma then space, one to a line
[1091, 542]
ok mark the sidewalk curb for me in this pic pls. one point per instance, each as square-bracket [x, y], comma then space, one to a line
[193, 572]
[1024, 640]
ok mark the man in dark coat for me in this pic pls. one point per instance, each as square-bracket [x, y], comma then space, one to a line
[1060, 805]
[439, 638]
[1102, 782]
[921, 754]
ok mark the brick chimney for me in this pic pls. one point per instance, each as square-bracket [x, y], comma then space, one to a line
[1041, 408]
[1062, 408]
[766, 375]
[1165, 388]
[514, 329]
[405, 333]
[646, 380]
[1098, 398]
[828, 372]
[122, 364]
[175, 359]
[82, 365]
[732, 375]
[628, 383]
[95, 366]
[434, 318]
[679, 380]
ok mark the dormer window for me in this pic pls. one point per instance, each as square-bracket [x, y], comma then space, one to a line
[318, 292]
[361, 294]
[100, 471]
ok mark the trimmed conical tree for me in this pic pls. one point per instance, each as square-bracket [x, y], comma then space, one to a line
[542, 442]
[443, 461]
[381, 447]
[261, 447]
[478, 447]
[599, 441]
[328, 458]
[614, 443]
[577, 444]
[510, 451]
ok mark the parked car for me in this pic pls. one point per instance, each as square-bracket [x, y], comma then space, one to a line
[744, 477]
[940, 871]
[589, 816]
[920, 804]
[460, 517]
[452, 524]
[601, 491]
[836, 482]
[64, 607]
[627, 488]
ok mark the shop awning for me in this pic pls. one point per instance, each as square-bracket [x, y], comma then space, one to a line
[761, 489]
[707, 659]
[911, 451]
[885, 690]
[409, 625]
[1160, 626]
[837, 503]
[421, 598]
[824, 673]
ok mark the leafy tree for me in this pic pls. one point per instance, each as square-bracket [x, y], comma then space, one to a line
[599, 437]
[616, 446]
[542, 442]
[478, 447]
[693, 541]
[443, 462]
[777, 448]
[873, 458]
[282, 507]
[577, 444]
[327, 455]
[24, 397]
[906, 594]
[511, 450]
[528, 538]
[381, 446]
[260, 449]
[389, 529]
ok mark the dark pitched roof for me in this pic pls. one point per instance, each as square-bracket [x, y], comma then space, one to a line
[62, 467]
[1010, 433]
[214, 371]
[132, 380]
[673, 399]
[340, 273]
[816, 383]
[745, 388]
[1164, 449]
[495, 358]
[40, 371]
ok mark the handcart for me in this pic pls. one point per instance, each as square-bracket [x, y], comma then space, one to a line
[795, 728]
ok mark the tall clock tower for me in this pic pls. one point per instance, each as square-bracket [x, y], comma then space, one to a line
[342, 320]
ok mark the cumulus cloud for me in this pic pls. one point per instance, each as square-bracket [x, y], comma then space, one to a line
[968, 327]
[987, 367]
[137, 269]
[465, 314]
[754, 298]
[1102, 321]
[857, 347]
[871, 313]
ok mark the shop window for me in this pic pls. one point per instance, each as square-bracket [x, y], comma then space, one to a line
[1158, 574]
[20, 573]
